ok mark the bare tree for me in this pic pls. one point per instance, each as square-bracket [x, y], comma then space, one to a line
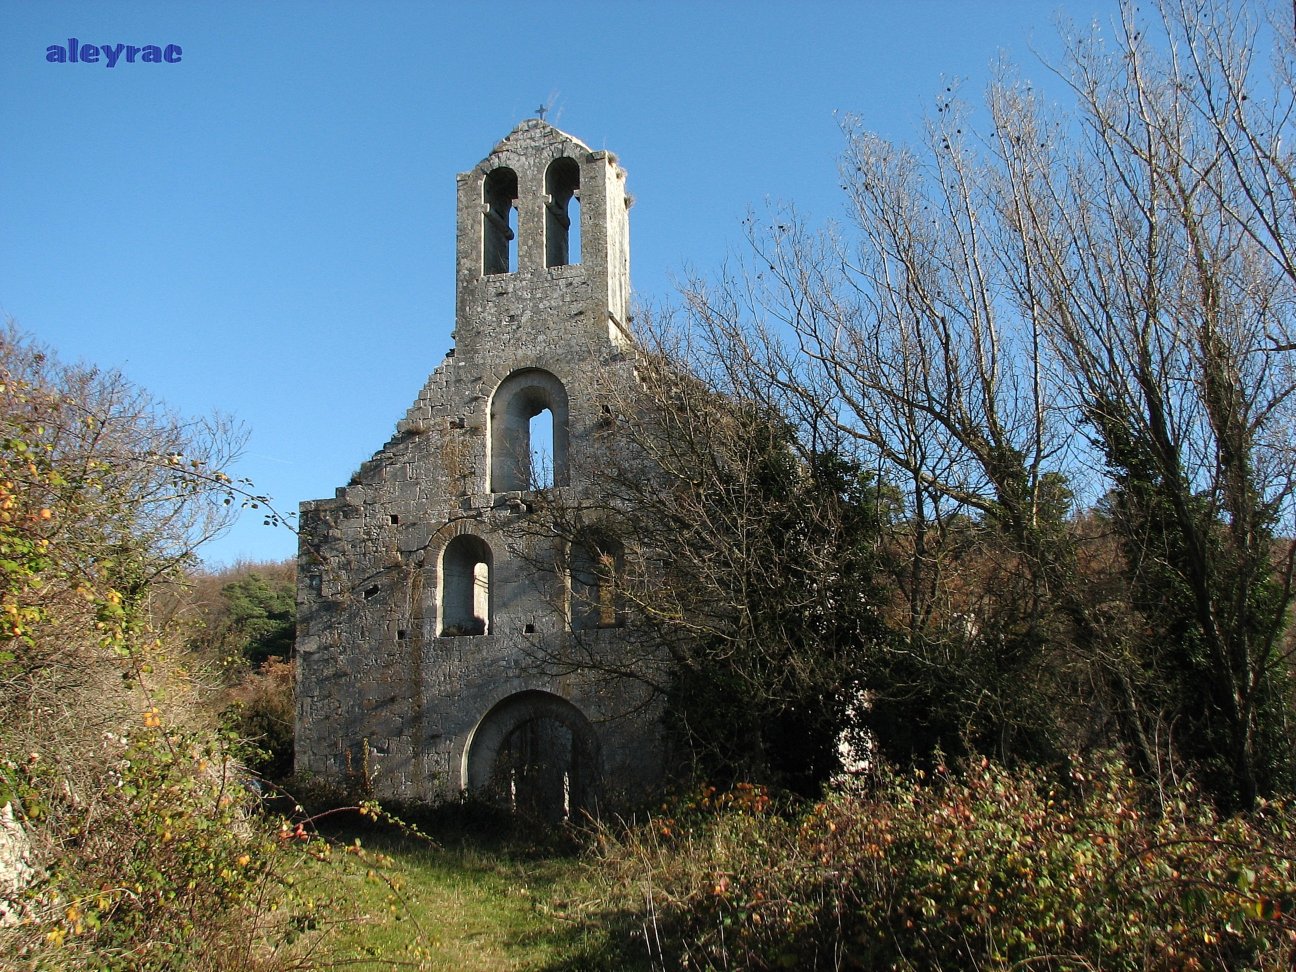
[1095, 302]
[735, 557]
[106, 494]
[1160, 242]
[906, 342]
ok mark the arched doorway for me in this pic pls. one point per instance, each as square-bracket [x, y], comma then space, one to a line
[535, 753]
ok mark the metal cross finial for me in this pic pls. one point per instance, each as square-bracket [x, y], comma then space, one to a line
[542, 111]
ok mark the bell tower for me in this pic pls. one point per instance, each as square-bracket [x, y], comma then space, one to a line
[544, 242]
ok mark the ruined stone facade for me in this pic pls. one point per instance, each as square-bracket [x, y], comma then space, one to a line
[430, 613]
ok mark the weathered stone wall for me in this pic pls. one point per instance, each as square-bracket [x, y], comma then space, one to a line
[387, 685]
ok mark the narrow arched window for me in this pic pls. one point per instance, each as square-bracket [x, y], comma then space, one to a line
[499, 202]
[528, 432]
[465, 587]
[597, 567]
[562, 213]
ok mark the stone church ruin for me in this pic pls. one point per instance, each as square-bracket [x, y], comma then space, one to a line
[429, 619]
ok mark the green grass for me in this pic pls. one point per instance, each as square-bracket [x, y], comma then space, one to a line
[466, 903]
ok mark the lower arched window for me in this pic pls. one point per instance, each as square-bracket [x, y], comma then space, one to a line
[596, 576]
[465, 587]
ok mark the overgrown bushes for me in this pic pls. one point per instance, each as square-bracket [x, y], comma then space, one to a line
[128, 811]
[983, 868]
[161, 865]
[262, 715]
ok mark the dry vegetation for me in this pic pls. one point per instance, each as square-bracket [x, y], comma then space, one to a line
[136, 842]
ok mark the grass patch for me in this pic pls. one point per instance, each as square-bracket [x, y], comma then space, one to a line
[483, 894]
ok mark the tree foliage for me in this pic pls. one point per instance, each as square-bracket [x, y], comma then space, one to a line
[245, 614]
[1043, 302]
[107, 494]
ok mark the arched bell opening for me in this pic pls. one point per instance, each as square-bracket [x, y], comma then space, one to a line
[499, 203]
[562, 213]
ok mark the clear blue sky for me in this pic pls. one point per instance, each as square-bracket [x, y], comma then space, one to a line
[267, 227]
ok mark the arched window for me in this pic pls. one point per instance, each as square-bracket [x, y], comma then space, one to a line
[499, 198]
[528, 432]
[465, 587]
[562, 213]
[596, 571]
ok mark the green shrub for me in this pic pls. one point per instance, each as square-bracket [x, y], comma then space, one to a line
[163, 867]
[262, 714]
[985, 869]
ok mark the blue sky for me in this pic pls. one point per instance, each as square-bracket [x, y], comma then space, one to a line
[266, 228]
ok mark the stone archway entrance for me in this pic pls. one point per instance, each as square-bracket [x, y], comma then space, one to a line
[537, 754]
